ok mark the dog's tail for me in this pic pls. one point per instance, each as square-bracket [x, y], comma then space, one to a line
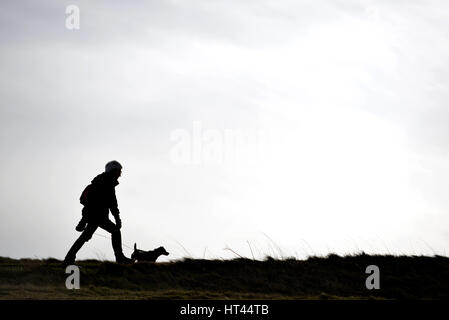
[135, 246]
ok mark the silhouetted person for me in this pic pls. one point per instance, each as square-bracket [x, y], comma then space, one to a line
[98, 198]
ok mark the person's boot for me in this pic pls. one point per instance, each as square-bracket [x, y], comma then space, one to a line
[116, 238]
[123, 260]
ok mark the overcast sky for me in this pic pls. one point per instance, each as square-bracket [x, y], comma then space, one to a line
[284, 128]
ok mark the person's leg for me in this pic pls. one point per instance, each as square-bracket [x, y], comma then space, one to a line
[83, 238]
[116, 237]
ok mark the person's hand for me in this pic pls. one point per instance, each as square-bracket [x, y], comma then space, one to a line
[118, 222]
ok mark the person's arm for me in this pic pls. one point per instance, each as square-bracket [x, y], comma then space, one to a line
[114, 210]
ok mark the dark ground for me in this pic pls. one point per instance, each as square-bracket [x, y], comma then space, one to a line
[331, 277]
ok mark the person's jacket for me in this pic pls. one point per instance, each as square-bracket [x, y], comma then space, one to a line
[101, 197]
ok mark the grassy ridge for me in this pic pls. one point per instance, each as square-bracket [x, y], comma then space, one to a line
[331, 277]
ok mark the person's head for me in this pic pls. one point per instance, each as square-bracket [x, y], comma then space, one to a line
[114, 167]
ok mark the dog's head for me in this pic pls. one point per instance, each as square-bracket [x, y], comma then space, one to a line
[161, 251]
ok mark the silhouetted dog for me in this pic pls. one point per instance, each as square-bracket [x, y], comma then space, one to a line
[152, 255]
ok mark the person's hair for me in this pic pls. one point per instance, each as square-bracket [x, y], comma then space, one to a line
[113, 165]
